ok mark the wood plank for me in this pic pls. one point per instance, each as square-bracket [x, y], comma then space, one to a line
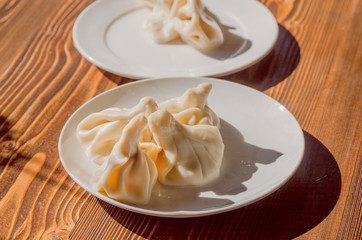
[39, 89]
[314, 70]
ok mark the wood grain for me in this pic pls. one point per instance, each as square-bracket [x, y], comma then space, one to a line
[314, 70]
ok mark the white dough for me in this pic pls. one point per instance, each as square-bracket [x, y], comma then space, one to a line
[129, 174]
[98, 132]
[191, 155]
[191, 108]
[187, 19]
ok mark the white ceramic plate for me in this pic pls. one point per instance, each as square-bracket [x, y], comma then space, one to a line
[264, 145]
[110, 34]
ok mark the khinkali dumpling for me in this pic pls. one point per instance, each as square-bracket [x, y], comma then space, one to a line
[149, 3]
[129, 173]
[195, 26]
[159, 23]
[190, 156]
[187, 19]
[177, 142]
[98, 132]
[191, 108]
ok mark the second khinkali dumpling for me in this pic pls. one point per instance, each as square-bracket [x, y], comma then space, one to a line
[191, 108]
[187, 19]
[190, 156]
[129, 173]
[149, 3]
[98, 132]
[195, 26]
[159, 23]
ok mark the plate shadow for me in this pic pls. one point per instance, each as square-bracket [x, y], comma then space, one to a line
[275, 67]
[300, 205]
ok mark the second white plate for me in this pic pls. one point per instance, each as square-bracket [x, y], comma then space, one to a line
[110, 34]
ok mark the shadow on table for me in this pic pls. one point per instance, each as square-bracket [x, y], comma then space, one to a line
[275, 67]
[14, 156]
[300, 205]
[119, 80]
[7, 142]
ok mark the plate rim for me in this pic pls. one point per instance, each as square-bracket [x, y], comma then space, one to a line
[183, 213]
[133, 75]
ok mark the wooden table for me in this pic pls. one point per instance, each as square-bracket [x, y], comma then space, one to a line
[315, 70]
